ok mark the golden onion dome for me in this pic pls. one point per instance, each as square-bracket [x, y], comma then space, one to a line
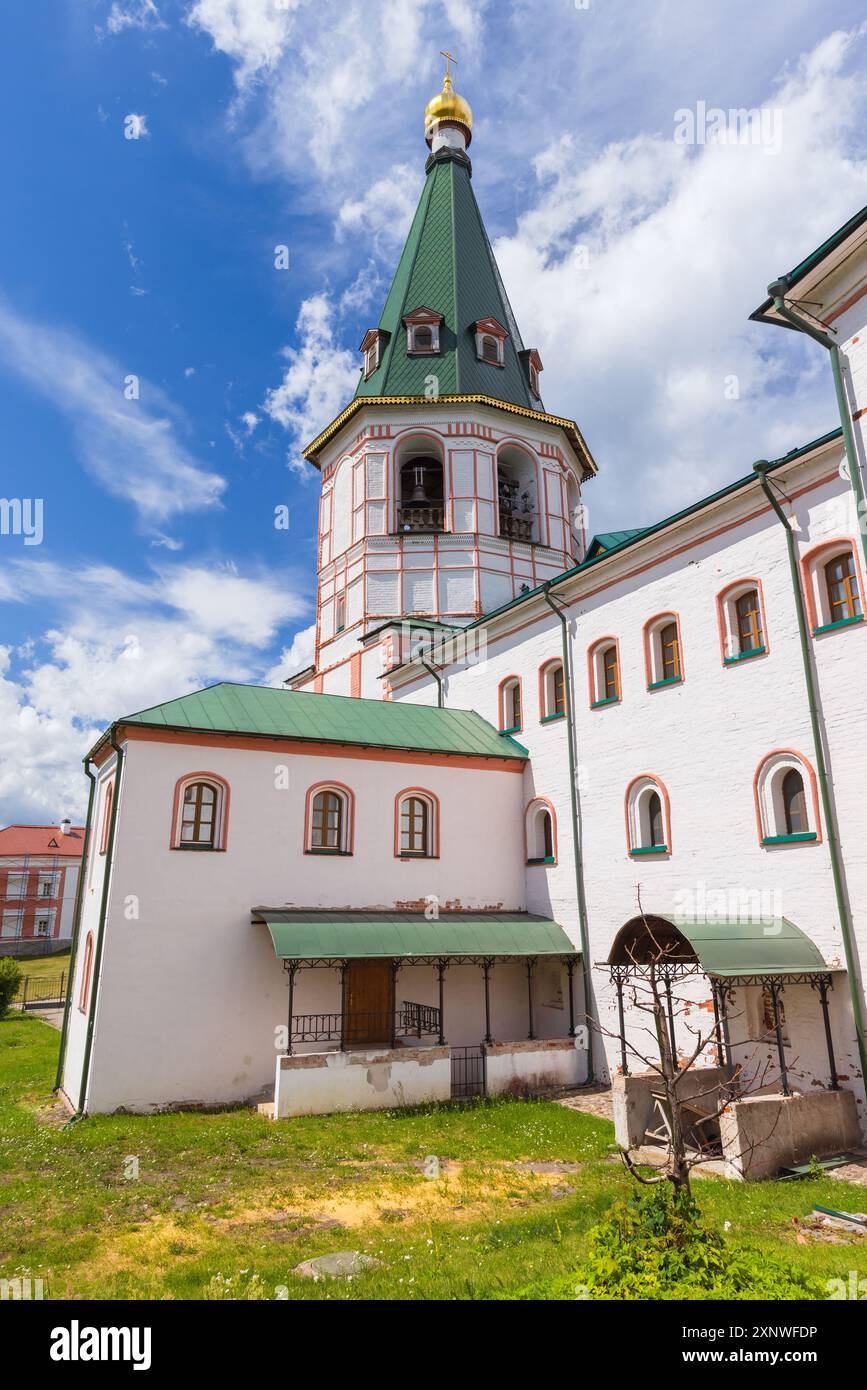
[447, 105]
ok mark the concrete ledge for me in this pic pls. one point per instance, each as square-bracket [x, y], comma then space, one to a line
[762, 1134]
[319, 1083]
[633, 1102]
[532, 1067]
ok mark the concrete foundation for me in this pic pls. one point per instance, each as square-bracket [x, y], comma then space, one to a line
[762, 1134]
[633, 1100]
[531, 1068]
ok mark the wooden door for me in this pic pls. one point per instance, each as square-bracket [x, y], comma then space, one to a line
[369, 1001]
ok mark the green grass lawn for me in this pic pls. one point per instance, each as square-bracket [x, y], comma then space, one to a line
[44, 967]
[231, 1194]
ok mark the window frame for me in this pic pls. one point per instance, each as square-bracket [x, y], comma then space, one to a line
[107, 803]
[654, 656]
[548, 713]
[728, 621]
[536, 807]
[596, 674]
[508, 684]
[346, 847]
[814, 565]
[771, 822]
[86, 970]
[220, 836]
[431, 800]
[637, 815]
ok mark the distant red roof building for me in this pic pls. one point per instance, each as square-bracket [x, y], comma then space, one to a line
[39, 868]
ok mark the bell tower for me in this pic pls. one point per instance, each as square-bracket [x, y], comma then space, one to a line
[447, 489]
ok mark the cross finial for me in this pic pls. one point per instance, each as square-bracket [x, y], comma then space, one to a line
[449, 60]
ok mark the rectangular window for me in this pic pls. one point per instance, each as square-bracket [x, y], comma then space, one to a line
[42, 926]
[749, 622]
[558, 702]
[843, 598]
[340, 613]
[669, 646]
[610, 675]
[47, 886]
[10, 925]
[16, 885]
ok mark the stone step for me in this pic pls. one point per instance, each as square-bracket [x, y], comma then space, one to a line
[266, 1108]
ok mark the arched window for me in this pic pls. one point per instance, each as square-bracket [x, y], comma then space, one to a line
[201, 808]
[740, 614]
[421, 506]
[842, 588]
[648, 823]
[422, 340]
[416, 828]
[106, 818]
[490, 349]
[86, 967]
[794, 802]
[832, 581]
[517, 512]
[511, 714]
[541, 832]
[663, 656]
[329, 819]
[552, 691]
[604, 667]
[787, 804]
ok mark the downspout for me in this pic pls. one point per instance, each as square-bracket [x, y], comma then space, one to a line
[100, 931]
[437, 677]
[777, 290]
[852, 964]
[76, 924]
[576, 842]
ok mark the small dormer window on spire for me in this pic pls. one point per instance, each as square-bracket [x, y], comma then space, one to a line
[423, 332]
[534, 367]
[490, 341]
[371, 347]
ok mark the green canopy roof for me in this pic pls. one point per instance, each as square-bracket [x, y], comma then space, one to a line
[350, 935]
[725, 947]
[448, 265]
[298, 714]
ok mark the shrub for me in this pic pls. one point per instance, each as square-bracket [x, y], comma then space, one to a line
[655, 1246]
[10, 979]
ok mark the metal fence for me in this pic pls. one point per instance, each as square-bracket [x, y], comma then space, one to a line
[468, 1072]
[408, 1021]
[41, 991]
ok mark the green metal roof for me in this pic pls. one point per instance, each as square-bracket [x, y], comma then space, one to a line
[813, 259]
[350, 935]
[298, 714]
[764, 946]
[448, 265]
[606, 540]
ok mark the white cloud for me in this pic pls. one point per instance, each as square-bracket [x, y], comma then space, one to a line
[254, 33]
[293, 658]
[318, 382]
[120, 645]
[132, 447]
[133, 14]
[382, 215]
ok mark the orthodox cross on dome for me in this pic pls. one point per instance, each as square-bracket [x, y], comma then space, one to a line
[449, 60]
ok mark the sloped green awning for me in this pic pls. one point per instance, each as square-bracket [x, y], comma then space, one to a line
[409, 935]
[725, 947]
[764, 946]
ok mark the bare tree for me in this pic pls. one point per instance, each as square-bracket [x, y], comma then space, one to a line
[691, 1121]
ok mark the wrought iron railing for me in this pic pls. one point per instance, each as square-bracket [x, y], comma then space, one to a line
[36, 991]
[426, 517]
[408, 1021]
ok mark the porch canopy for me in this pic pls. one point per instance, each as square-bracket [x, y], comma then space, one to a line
[328, 938]
[770, 952]
[341, 940]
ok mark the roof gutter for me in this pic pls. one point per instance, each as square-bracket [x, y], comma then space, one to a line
[100, 931]
[576, 839]
[846, 928]
[76, 924]
[777, 289]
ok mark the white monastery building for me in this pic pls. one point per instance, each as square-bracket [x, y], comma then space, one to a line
[439, 862]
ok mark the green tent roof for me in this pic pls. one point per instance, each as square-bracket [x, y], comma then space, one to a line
[764, 946]
[298, 714]
[606, 540]
[448, 265]
[350, 935]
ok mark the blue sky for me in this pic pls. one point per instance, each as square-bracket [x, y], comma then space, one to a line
[632, 262]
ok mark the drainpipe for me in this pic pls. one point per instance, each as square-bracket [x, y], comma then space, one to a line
[777, 290]
[576, 843]
[437, 677]
[76, 924]
[852, 965]
[100, 931]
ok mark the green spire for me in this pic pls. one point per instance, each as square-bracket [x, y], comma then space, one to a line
[448, 265]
